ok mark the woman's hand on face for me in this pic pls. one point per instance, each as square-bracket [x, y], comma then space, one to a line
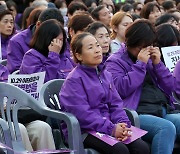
[144, 55]
[155, 55]
[56, 45]
[122, 132]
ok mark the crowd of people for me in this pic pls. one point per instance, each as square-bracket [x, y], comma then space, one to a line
[109, 53]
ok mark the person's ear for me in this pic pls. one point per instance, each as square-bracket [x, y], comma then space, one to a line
[38, 23]
[115, 28]
[71, 32]
[79, 57]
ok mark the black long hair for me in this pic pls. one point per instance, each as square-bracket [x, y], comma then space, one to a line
[43, 36]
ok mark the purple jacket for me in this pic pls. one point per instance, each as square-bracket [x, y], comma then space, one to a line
[177, 76]
[93, 99]
[18, 46]
[3, 73]
[128, 77]
[4, 44]
[56, 66]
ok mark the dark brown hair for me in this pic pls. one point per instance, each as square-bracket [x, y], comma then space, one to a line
[45, 33]
[33, 16]
[140, 34]
[5, 12]
[79, 22]
[148, 8]
[95, 12]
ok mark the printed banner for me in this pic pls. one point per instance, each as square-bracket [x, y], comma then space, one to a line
[135, 134]
[31, 83]
[171, 55]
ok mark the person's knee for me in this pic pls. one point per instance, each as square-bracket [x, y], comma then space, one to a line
[41, 126]
[167, 127]
[144, 149]
[139, 146]
[22, 129]
[120, 149]
[46, 127]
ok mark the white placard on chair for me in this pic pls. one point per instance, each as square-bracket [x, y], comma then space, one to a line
[31, 83]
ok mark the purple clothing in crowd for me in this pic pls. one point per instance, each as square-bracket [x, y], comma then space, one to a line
[3, 73]
[56, 66]
[129, 77]
[18, 46]
[93, 99]
[177, 76]
[4, 44]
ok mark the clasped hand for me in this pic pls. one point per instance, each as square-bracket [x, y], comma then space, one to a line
[122, 132]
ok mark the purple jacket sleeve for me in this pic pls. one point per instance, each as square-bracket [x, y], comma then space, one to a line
[165, 78]
[73, 98]
[15, 55]
[177, 76]
[126, 81]
[118, 115]
[3, 73]
[34, 62]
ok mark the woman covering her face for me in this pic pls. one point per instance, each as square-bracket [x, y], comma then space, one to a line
[47, 52]
[146, 85]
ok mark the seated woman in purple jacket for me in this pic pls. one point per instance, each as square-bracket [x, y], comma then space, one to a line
[7, 30]
[47, 52]
[102, 35]
[146, 85]
[89, 93]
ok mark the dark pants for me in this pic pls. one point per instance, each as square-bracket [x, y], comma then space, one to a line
[136, 147]
[1, 151]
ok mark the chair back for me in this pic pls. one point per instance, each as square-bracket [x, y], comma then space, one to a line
[16, 99]
[9, 97]
[50, 93]
[15, 72]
